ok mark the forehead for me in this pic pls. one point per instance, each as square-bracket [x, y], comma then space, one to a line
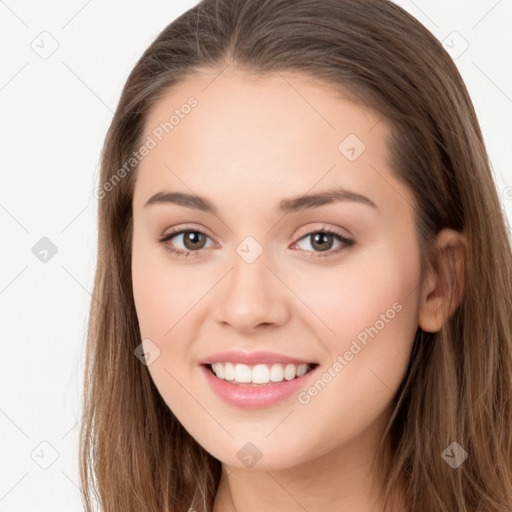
[282, 134]
[290, 106]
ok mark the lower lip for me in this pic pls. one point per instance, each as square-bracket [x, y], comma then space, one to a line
[254, 397]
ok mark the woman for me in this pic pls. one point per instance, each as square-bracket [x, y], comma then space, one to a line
[261, 369]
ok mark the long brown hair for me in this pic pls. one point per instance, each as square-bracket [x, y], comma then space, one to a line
[134, 454]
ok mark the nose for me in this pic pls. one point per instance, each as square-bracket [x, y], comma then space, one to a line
[252, 297]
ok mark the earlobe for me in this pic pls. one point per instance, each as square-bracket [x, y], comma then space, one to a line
[443, 287]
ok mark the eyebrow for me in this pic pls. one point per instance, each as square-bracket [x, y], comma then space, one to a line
[285, 206]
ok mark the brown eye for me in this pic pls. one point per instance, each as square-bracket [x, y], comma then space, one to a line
[322, 241]
[194, 240]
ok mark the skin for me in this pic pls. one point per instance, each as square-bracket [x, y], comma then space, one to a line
[248, 144]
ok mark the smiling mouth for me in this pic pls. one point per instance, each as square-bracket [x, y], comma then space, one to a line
[259, 375]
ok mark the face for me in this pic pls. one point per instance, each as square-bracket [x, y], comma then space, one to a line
[332, 282]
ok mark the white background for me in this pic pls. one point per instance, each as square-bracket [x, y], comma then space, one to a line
[54, 115]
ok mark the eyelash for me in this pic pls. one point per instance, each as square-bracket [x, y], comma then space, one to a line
[347, 242]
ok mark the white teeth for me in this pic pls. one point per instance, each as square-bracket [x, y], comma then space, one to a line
[242, 373]
[276, 373]
[260, 373]
[218, 368]
[229, 371]
[301, 370]
[290, 371]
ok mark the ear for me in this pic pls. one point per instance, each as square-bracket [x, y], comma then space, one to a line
[442, 289]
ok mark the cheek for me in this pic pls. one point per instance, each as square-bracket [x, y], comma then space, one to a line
[377, 287]
[368, 313]
[371, 314]
[162, 299]
[166, 297]
[162, 294]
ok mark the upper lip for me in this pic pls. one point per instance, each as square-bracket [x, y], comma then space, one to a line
[251, 358]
